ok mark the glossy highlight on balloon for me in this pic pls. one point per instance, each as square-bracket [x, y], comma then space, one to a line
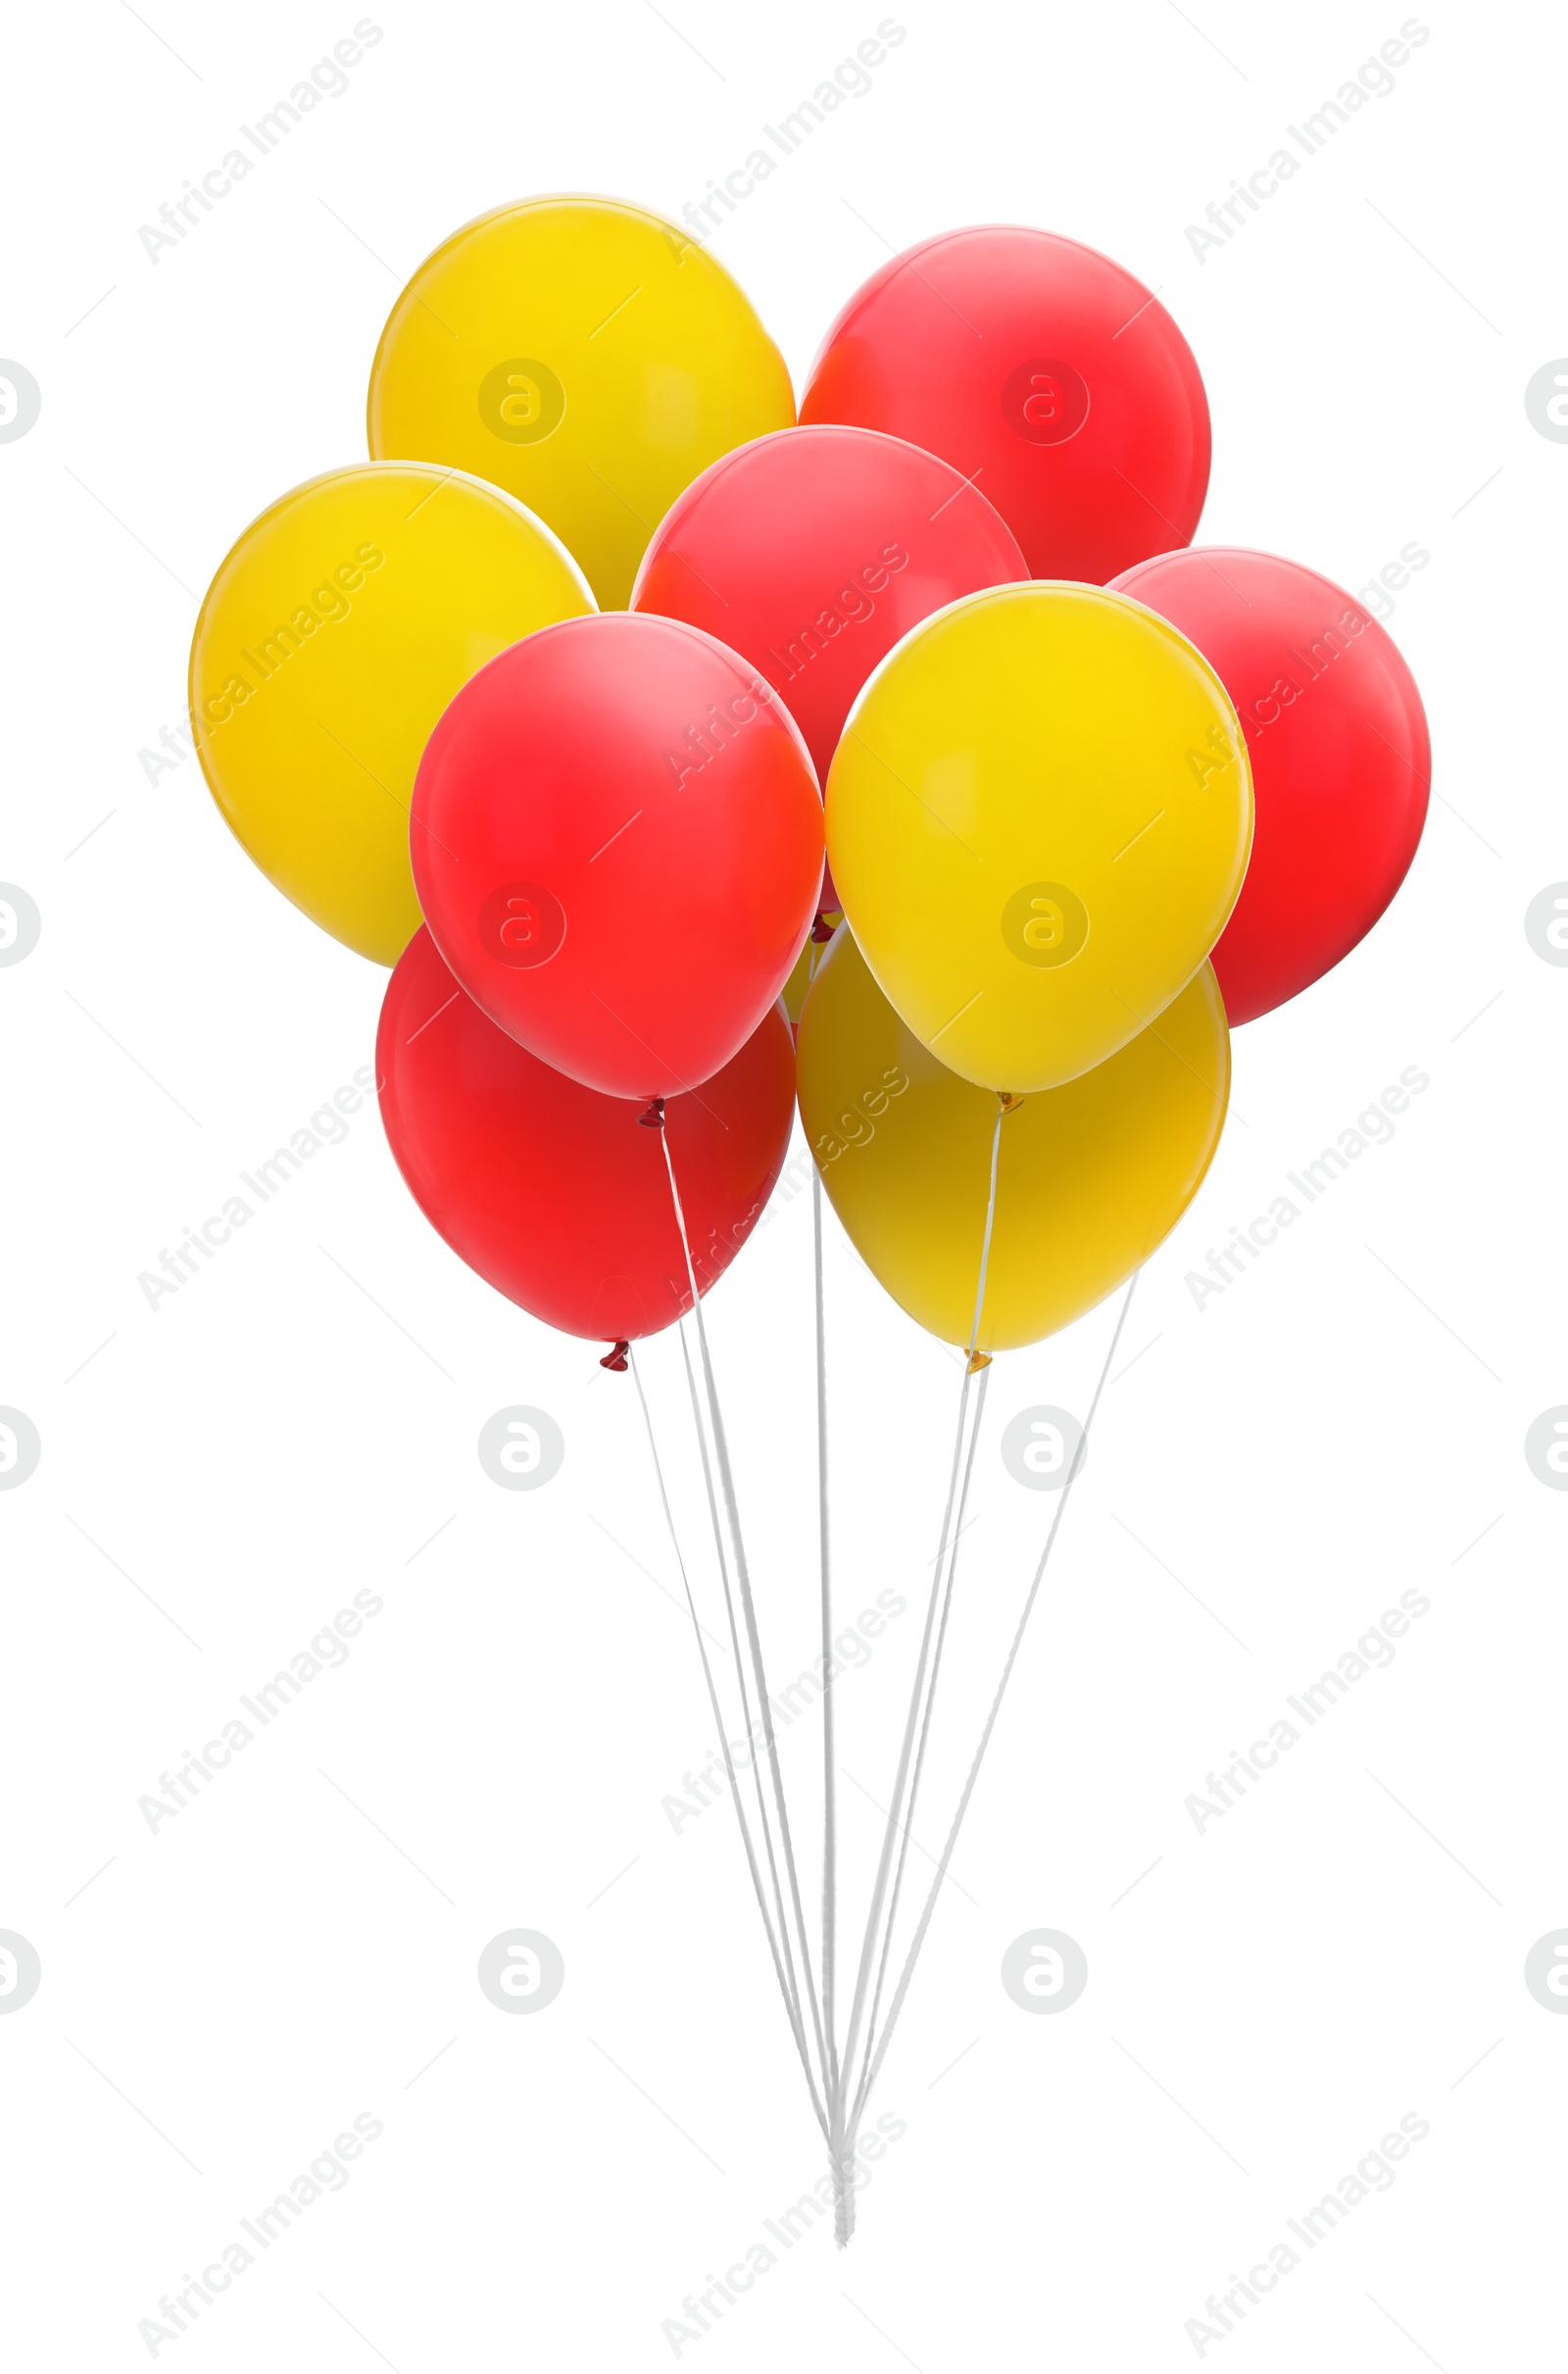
[1339, 753]
[1038, 821]
[999, 1014]
[1042, 370]
[812, 552]
[332, 638]
[1091, 1176]
[618, 841]
[556, 1196]
[585, 355]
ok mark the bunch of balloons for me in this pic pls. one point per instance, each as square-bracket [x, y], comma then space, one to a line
[536, 704]
[539, 707]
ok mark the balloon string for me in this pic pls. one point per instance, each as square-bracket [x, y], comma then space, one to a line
[753, 1637]
[829, 1797]
[1002, 1107]
[1004, 1103]
[841, 2160]
[713, 1700]
[792, 2000]
[996, 1706]
[843, 2198]
[917, 1695]
[820, 936]
[908, 1825]
[654, 1118]
[754, 1642]
[879, 1886]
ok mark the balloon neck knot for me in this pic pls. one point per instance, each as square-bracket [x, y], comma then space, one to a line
[821, 930]
[654, 1117]
[615, 1356]
[978, 1360]
[1009, 1099]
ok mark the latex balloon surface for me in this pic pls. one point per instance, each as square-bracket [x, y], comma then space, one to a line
[811, 553]
[1090, 1177]
[1038, 821]
[1339, 753]
[556, 1195]
[1043, 371]
[585, 356]
[330, 642]
[618, 841]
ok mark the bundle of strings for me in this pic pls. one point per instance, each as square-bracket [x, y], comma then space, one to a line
[840, 2081]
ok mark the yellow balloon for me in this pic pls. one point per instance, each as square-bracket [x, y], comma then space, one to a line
[1090, 1177]
[1037, 818]
[584, 355]
[330, 642]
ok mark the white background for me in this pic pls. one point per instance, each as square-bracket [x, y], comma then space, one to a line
[297, 1946]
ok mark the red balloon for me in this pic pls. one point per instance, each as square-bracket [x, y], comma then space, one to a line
[617, 844]
[1341, 759]
[813, 551]
[1043, 371]
[554, 1194]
